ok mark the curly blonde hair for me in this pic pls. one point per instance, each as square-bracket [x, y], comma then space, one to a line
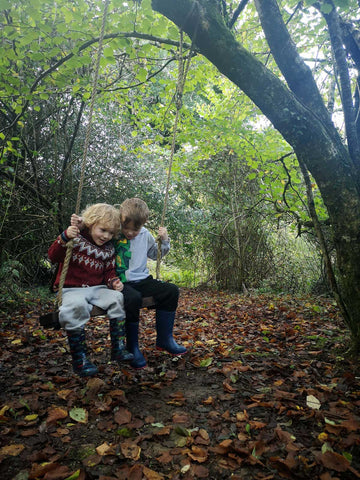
[108, 215]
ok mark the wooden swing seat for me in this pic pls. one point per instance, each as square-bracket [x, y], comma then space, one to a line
[51, 320]
[147, 302]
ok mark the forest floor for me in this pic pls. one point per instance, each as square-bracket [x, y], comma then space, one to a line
[265, 392]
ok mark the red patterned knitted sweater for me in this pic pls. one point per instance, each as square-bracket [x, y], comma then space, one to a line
[89, 265]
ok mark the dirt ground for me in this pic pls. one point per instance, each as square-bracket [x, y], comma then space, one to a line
[263, 393]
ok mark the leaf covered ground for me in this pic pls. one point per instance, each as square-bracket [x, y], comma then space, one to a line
[264, 393]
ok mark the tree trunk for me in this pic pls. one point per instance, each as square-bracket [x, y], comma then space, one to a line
[297, 111]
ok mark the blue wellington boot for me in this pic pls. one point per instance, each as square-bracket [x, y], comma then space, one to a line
[164, 331]
[80, 363]
[117, 336]
[132, 344]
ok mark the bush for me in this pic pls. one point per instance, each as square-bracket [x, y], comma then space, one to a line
[296, 265]
[11, 273]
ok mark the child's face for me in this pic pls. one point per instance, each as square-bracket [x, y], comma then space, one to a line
[101, 233]
[129, 230]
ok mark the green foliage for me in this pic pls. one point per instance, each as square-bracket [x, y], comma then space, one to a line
[296, 266]
[11, 278]
[229, 178]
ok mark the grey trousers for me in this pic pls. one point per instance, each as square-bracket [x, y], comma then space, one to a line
[77, 304]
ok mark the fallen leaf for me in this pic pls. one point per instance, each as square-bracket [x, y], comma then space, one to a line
[122, 416]
[130, 450]
[313, 402]
[106, 449]
[334, 461]
[151, 474]
[60, 472]
[80, 415]
[12, 450]
[56, 414]
[198, 454]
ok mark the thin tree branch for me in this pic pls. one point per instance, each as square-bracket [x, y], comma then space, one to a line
[237, 12]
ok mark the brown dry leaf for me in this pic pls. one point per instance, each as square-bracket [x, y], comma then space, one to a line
[226, 415]
[106, 449]
[257, 425]
[63, 394]
[202, 438]
[181, 418]
[283, 466]
[163, 431]
[151, 474]
[198, 454]
[55, 414]
[334, 461]
[135, 472]
[351, 425]
[281, 394]
[63, 431]
[165, 457]
[223, 447]
[203, 434]
[171, 375]
[117, 393]
[279, 382]
[242, 416]
[200, 471]
[29, 432]
[102, 405]
[130, 450]
[12, 450]
[178, 399]
[60, 472]
[38, 471]
[284, 437]
[94, 385]
[244, 368]
[228, 388]
[122, 416]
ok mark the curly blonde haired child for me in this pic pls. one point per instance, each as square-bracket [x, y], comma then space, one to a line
[91, 280]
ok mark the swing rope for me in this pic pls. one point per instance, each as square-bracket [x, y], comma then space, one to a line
[178, 96]
[70, 244]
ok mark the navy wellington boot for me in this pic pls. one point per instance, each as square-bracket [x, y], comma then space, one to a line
[132, 344]
[119, 352]
[80, 363]
[164, 331]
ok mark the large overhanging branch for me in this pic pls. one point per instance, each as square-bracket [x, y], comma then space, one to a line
[299, 125]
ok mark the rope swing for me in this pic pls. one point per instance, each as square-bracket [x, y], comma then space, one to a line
[70, 244]
[183, 69]
[51, 319]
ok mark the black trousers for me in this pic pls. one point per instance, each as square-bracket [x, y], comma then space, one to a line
[166, 296]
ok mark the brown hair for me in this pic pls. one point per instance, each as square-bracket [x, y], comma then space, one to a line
[134, 210]
[102, 212]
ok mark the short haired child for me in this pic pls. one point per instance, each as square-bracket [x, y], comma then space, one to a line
[91, 280]
[133, 248]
